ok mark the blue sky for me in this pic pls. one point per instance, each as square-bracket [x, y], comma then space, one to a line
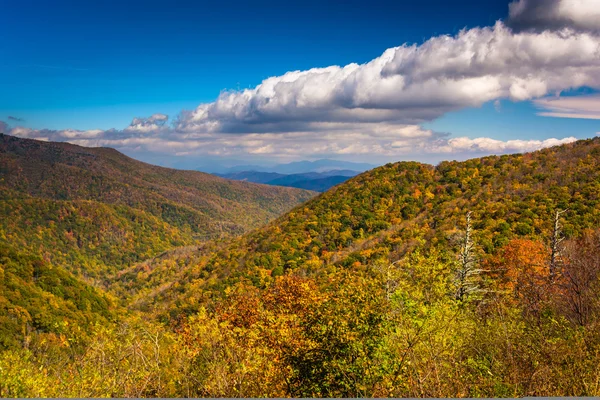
[98, 64]
[62, 58]
[512, 120]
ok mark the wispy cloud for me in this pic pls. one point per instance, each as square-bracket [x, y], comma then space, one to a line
[581, 107]
[324, 140]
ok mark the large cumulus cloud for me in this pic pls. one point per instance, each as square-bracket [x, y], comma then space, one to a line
[543, 48]
[411, 84]
[539, 15]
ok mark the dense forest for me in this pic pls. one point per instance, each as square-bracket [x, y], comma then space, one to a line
[478, 278]
[94, 210]
[72, 216]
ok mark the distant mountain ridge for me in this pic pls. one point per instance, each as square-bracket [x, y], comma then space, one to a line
[317, 181]
[319, 184]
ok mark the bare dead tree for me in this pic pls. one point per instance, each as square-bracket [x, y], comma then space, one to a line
[557, 239]
[467, 273]
[389, 274]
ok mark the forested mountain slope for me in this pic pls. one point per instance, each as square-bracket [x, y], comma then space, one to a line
[94, 208]
[467, 279]
[37, 297]
[383, 214]
[71, 216]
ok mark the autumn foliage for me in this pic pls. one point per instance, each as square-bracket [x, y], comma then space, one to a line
[353, 294]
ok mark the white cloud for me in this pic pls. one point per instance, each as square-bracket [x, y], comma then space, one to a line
[74, 134]
[62, 135]
[411, 84]
[583, 107]
[487, 145]
[322, 140]
[554, 14]
[151, 124]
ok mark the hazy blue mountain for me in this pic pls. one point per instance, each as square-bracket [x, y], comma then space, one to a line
[252, 176]
[321, 166]
[318, 185]
[320, 181]
[339, 172]
[286, 180]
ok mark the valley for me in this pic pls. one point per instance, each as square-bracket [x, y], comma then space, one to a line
[382, 199]
[142, 281]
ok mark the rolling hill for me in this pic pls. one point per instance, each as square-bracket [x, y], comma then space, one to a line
[71, 216]
[95, 209]
[382, 215]
[465, 279]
